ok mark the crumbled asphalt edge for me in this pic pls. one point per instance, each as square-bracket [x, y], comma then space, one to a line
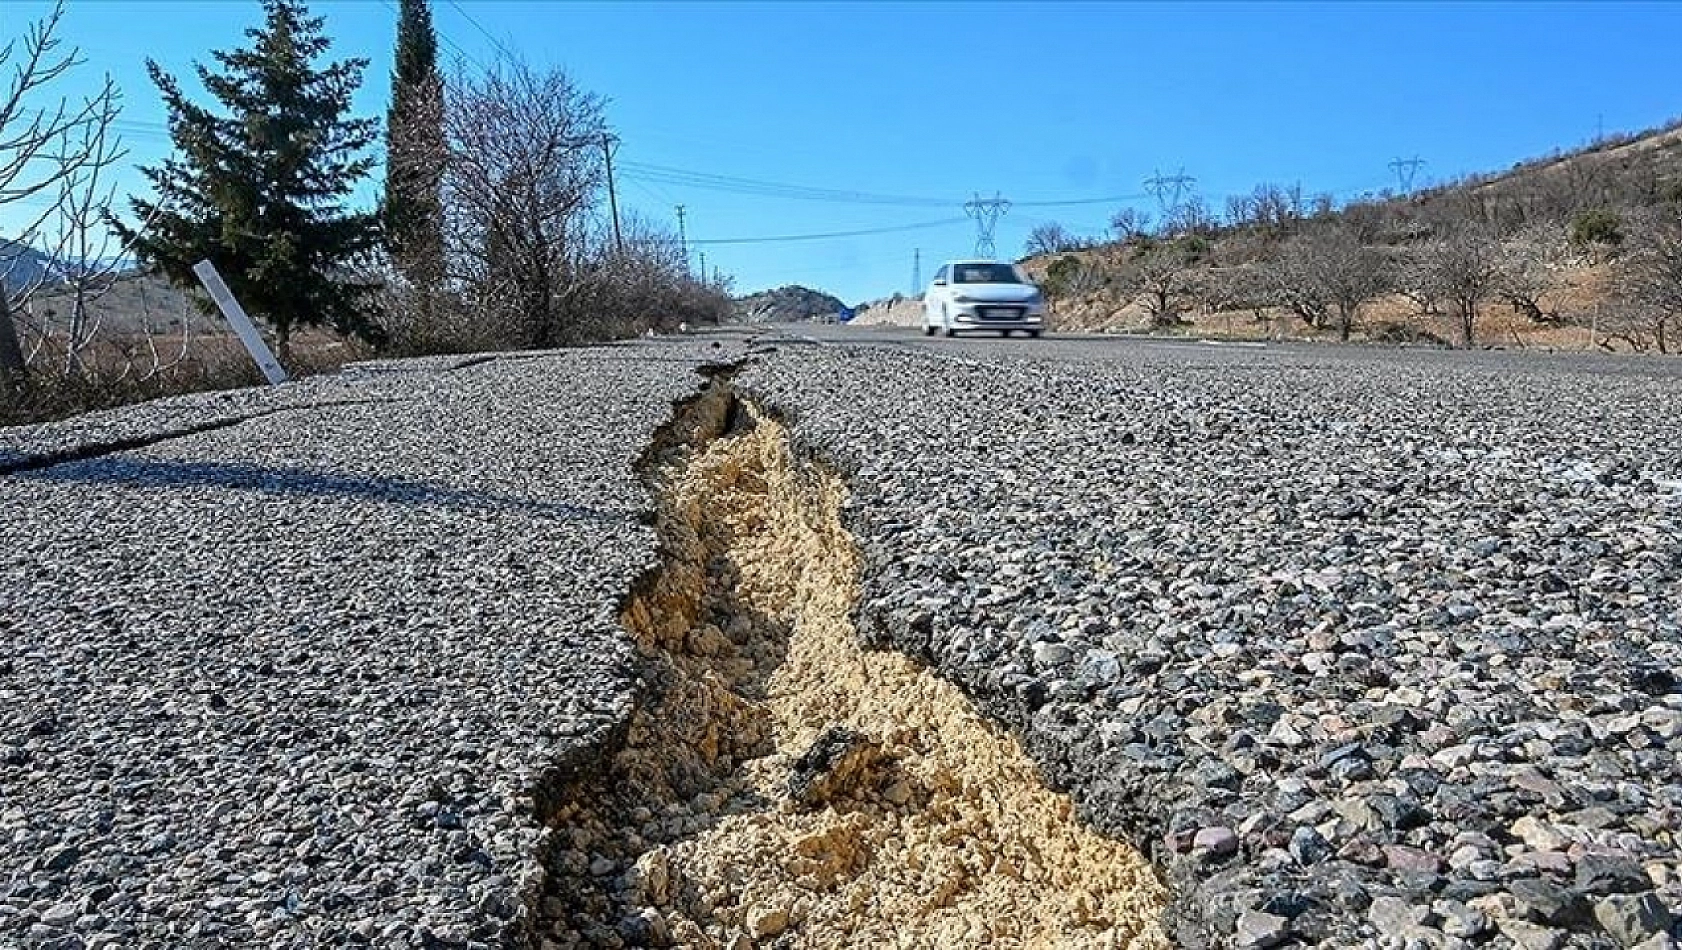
[1213, 897]
[583, 767]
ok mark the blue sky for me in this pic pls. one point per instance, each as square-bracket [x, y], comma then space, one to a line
[1039, 102]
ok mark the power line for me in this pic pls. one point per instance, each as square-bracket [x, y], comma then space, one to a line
[665, 174]
[481, 28]
[866, 232]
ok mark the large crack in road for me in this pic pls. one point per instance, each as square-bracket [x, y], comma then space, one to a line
[780, 786]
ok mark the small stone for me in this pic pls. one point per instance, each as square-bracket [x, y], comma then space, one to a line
[1531, 936]
[601, 867]
[1633, 918]
[1394, 915]
[63, 859]
[1398, 857]
[1216, 842]
[764, 922]
[1459, 920]
[1257, 930]
[61, 915]
[1308, 846]
[1602, 874]
[1051, 654]
[898, 793]
[1538, 835]
[1548, 903]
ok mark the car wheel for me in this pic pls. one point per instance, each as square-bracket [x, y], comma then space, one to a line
[946, 321]
[1033, 334]
[928, 329]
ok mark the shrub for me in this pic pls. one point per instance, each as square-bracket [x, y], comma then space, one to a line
[1599, 226]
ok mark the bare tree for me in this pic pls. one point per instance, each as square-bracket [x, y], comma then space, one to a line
[1329, 274]
[1532, 271]
[1191, 216]
[1051, 238]
[1463, 268]
[524, 170]
[1161, 276]
[44, 142]
[1129, 223]
[1649, 274]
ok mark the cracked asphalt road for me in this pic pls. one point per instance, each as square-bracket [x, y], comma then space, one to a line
[1356, 642]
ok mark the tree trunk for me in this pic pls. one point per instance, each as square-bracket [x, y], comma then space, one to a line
[1468, 316]
[11, 352]
[1345, 322]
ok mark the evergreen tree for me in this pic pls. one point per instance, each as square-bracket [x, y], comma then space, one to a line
[261, 191]
[415, 151]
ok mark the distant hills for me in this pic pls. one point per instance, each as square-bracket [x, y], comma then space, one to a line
[790, 304]
[21, 266]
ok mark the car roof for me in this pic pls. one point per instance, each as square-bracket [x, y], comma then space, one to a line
[971, 260]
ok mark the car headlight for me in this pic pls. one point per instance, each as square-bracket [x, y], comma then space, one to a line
[1035, 298]
[963, 298]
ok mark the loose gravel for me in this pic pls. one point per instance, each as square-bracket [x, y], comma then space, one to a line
[1367, 648]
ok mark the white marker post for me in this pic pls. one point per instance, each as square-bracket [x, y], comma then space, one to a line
[243, 327]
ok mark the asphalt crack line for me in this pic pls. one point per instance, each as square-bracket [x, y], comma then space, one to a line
[779, 785]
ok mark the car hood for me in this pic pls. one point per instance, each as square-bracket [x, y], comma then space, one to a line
[995, 293]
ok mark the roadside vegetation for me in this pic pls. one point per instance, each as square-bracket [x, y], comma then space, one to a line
[1581, 249]
[491, 231]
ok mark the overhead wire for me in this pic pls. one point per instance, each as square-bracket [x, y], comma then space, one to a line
[863, 232]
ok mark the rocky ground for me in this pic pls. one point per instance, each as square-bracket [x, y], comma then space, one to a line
[1366, 647]
[1363, 647]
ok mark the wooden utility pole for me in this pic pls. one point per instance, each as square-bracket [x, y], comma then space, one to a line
[682, 239]
[608, 141]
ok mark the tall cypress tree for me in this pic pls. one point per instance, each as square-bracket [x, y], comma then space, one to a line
[415, 151]
[261, 189]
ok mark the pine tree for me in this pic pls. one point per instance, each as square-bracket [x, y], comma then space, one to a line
[415, 151]
[261, 190]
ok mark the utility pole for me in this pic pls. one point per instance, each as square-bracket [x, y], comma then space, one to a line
[608, 141]
[703, 264]
[682, 239]
[1163, 186]
[1405, 169]
[986, 212]
[917, 271]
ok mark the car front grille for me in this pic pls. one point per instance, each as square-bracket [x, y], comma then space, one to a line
[999, 313]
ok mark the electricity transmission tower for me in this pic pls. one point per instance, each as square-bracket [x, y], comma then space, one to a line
[917, 271]
[1405, 169]
[986, 212]
[1170, 190]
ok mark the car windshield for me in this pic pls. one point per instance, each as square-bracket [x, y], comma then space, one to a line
[985, 274]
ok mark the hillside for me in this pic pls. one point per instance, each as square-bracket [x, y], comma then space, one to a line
[790, 304]
[1554, 241]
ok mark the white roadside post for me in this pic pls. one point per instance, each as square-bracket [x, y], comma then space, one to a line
[243, 327]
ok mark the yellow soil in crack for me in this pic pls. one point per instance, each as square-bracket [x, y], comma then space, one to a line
[948, 840]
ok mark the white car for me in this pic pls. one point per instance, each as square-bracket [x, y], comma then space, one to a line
[982, 295]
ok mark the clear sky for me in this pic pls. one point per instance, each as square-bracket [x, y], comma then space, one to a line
[938, 101]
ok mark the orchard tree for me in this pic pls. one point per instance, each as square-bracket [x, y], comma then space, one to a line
[260, 187]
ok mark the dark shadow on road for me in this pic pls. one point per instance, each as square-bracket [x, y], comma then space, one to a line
[142, 473]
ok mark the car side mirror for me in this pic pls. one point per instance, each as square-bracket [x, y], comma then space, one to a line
[939, 283]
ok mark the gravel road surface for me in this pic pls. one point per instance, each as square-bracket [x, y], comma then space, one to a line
[291, 674]
[1364, 647]
[1358, 643]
